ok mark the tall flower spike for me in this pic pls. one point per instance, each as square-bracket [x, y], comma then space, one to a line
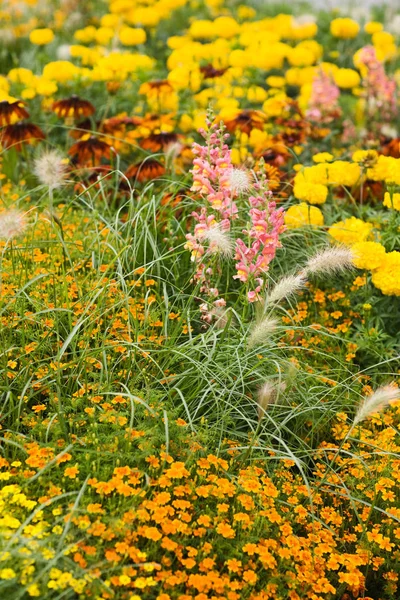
[377, 402]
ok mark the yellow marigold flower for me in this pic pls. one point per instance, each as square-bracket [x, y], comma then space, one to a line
[21, 75]
[381, 169]
[131, 36]
[368, 255]
[314, 193]
[245, 12]
[350, 231]
[256, 93]
[367, 158]
[301, 57]
[373, 27]
[387, 277]
[301, 215]
[7, 574]
[316, 174]
[86, 35]
[346, 78]
[33, 590]
[60, 71]
[104, 35]
[201, 29]
[41, 37]
[109, 21]
[226, 27]
[393, 171]
[322, 157]
[344, 28]
[275, 81]
[343, 172]
[392, 201]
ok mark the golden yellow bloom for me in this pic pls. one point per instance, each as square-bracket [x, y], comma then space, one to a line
[368, 255]
[60, 71]
[322, 157]
[392, 201]
[301, 215]
[344, 28]
[131, 36]
[350, 231]
[387, 277]
[41, 37]
[314, 193]
[346, 78]
[372, 27]
[342, 172]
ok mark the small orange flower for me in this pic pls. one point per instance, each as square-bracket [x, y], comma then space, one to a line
[71, 472]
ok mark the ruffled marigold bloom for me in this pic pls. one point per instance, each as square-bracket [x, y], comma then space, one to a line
[146, 170]
[41, 37]
[314, 193]
[392, 201]
[245, 121]
[90, 150]
[20, 133]
[10, 112]
[301, 215]
[344, 28]
[350, 231]
[73, 107]
[387, 277]
[368, 255]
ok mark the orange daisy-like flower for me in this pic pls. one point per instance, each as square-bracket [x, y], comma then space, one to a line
[209, 72]
[73, 107]
[246, 120]
[146, 170]
[157, 86]
[89, 150]
[79, 130]
[159, 141]
[13, 136]
[276, 154]
[119, 123]
[391, 148]
[12, 111]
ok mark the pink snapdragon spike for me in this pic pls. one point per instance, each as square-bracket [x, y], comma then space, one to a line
[253, 261]
[217, 183]
[380, 91]
[324, 101]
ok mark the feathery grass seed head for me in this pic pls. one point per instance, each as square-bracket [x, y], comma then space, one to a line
[50, 169]
[331, 260]
[377, 402]
[286, 287]
[13, 223]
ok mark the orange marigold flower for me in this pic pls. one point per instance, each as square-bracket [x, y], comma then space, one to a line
[71, 472]
[152, 533]
[250, 577]
[177, 470]
[225, 530]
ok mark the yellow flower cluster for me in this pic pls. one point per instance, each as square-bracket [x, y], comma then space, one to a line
[387, 276]
[303, 214]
